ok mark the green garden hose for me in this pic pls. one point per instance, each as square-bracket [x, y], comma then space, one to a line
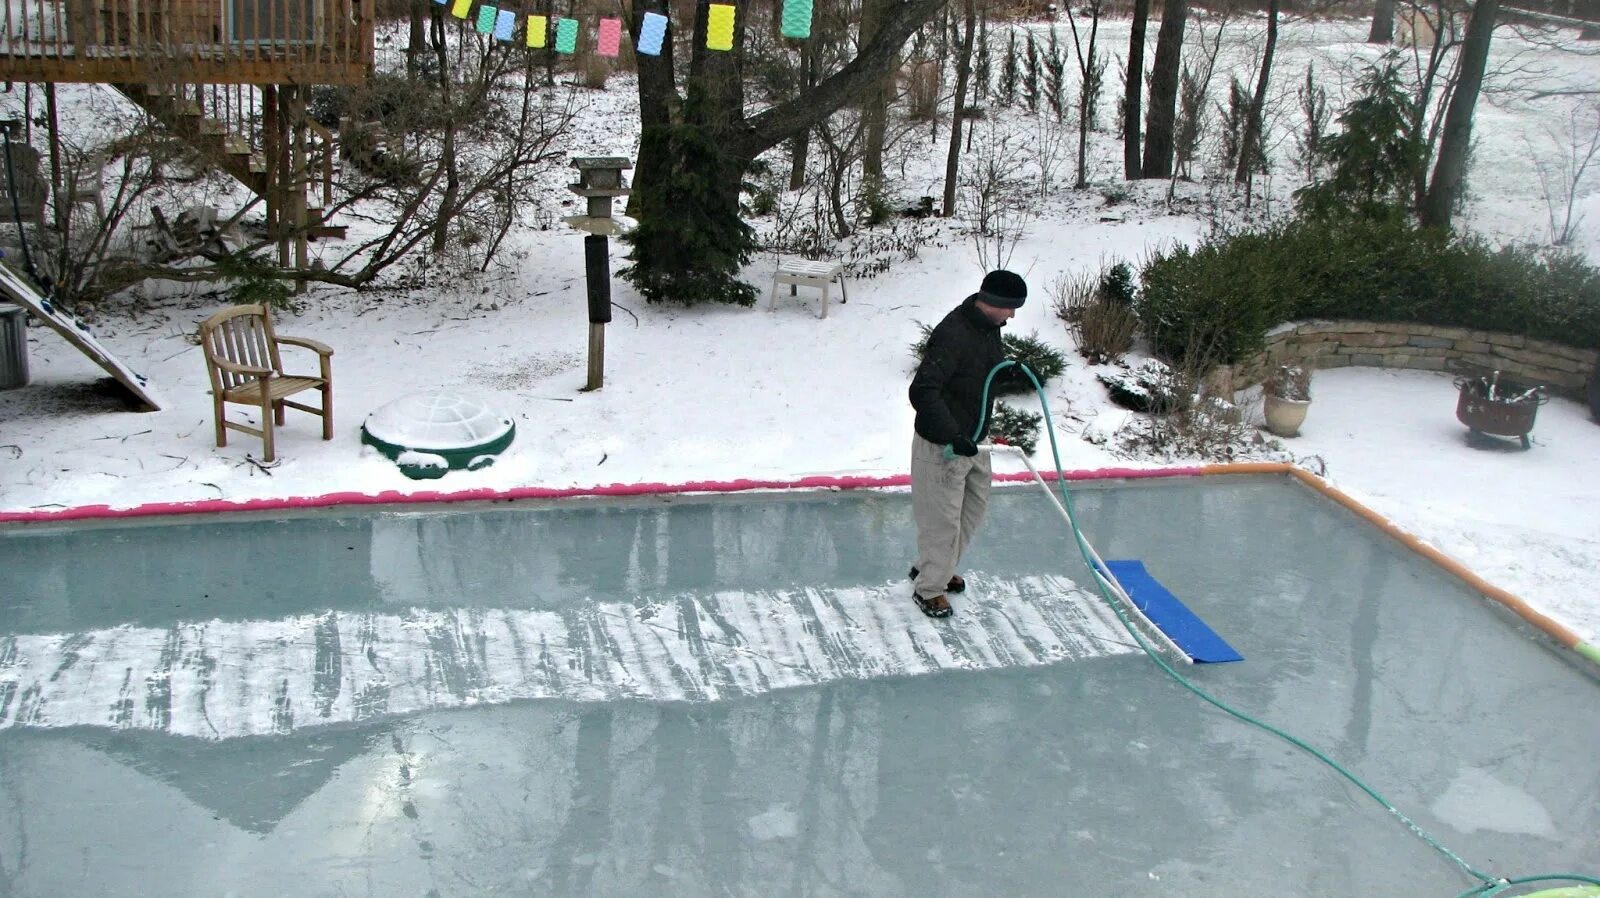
[1488, 886]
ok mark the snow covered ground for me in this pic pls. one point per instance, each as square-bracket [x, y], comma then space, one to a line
[725, 393]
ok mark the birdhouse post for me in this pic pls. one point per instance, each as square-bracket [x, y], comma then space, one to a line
[599, 180]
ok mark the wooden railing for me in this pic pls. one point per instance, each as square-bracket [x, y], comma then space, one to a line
[199, 41]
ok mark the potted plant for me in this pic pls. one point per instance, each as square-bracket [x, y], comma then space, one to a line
[1286, 395]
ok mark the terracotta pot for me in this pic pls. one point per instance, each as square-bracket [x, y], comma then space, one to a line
[1284, 416]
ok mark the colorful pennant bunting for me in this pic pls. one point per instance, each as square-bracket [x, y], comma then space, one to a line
[796, 19]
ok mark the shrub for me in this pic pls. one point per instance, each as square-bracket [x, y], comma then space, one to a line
[1206, 428]
[1043, 359]
[1015, 427]
[1375, 160]
[1152, 388]
[1214, 303]
[1105, 331]
[1116, 285]
[253, 279]
[1071, 294]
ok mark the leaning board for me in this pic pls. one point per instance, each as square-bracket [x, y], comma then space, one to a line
[76, 333]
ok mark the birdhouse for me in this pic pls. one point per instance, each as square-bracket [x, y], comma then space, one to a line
[600, 179]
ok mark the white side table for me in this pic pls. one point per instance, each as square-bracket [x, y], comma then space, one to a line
[799, 273]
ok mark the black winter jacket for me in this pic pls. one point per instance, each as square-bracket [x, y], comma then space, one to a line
[947, 391]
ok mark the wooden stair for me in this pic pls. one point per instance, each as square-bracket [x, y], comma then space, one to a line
[235, 143]
[221, 146]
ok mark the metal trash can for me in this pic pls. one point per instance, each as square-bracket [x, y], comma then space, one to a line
[13, 347]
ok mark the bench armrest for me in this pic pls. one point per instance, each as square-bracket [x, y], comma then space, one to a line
[313, 345]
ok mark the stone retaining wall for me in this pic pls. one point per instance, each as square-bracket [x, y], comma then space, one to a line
[1335, 344]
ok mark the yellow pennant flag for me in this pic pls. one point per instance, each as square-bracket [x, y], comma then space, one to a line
[461, 8]
[538, 29]
[719, 27]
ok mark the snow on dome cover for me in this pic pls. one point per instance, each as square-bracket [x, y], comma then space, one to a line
[437, 421]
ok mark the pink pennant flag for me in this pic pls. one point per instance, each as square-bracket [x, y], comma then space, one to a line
[610, 36]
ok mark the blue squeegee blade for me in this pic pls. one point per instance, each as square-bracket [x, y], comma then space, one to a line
[1188, 632]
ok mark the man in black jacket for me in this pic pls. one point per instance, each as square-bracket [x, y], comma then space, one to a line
[949, 476]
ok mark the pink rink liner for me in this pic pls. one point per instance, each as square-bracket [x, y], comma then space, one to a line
[391, 497]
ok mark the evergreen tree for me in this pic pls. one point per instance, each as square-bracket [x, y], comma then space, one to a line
[1010, 73]
[1055, 72]
[1374, 160]
[693, 240]
[1030, 80]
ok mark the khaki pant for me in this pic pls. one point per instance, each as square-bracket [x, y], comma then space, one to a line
[948, 499]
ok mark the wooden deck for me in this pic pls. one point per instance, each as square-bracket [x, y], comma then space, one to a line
[192, 41]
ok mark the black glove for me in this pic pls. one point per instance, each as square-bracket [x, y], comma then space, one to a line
[963, 446]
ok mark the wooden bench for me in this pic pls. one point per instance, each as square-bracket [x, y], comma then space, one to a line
[799, 273]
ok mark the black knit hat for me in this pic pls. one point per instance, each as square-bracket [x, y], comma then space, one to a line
[1003, 289]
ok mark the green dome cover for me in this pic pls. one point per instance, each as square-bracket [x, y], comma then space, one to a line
[430, 434]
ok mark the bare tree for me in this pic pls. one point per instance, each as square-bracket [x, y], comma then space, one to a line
[1382, 31]
[1562, 178]
[1193, 114]
[952, 161]
[1132, 91]
[108, 186]
[1091, 69]
[1250, 143]
[1164, 90]
[875, 103]
[481, 138]
[996, 212]
[1450, 168]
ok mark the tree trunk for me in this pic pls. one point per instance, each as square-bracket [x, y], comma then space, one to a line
[712, 111]
[1450, 170]
[659, 103]
[1164, 78]
[1250, 144]
[875, 106]
[417, 40]
[1132, 110]
[452, 178]
[952, 162]
[800, 144]
[1086, 96]
[1382, 23]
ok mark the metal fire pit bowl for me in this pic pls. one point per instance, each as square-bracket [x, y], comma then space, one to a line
[1498, 406]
